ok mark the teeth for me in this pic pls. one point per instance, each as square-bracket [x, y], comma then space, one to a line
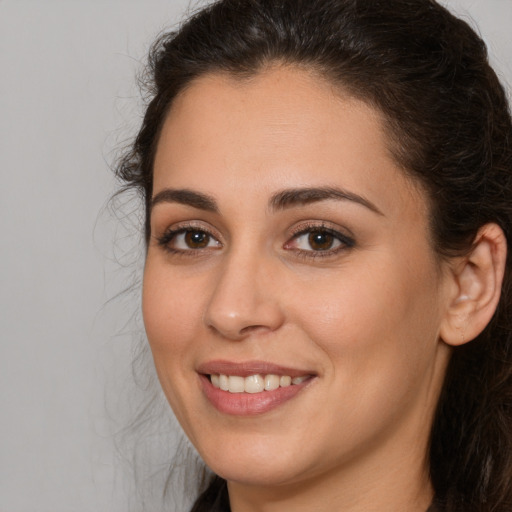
[271, 382]
[285, 381]
[223, 382]
[215, 381]
[236, 384]
[254, 383]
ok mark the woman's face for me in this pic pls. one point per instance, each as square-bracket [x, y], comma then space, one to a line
[286, 243]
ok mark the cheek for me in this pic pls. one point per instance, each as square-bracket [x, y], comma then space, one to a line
[171, 314]
[378, 336]
[381, 321]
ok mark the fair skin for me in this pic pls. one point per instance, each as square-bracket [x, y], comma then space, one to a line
[340, 287]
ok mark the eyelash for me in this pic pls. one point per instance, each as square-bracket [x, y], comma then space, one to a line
[171, 234]
[345, 242]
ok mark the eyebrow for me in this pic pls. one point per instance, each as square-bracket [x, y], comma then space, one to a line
[186, 197]
[302, 196]
[282, 200]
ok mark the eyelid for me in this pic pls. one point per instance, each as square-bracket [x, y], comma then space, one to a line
[175, 230]
[321, 225]
[347, 240]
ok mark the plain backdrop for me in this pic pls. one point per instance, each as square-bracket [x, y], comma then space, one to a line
[68, 100]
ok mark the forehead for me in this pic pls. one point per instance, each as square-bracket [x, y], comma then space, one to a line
[285, 125]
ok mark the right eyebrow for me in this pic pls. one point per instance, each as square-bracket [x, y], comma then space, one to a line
[186, 197]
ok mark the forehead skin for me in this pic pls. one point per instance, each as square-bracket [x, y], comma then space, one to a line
[277, 126]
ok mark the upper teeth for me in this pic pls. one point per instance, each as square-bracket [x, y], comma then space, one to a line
[253, 383]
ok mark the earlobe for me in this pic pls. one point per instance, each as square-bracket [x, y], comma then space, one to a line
[478, 277]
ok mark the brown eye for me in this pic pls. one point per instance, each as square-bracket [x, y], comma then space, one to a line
[197, 239]
[188, 240]
[320, 240]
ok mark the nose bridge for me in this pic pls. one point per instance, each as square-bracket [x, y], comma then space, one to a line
[244, 297]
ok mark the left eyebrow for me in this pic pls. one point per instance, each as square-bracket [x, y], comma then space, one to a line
[301, 196]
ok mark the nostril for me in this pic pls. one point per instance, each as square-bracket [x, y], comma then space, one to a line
[237, 332]
[252, 328]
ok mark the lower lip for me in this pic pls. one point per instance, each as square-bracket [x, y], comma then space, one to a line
[248, 404]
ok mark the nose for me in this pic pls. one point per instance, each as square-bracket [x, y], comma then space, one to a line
[245, 299]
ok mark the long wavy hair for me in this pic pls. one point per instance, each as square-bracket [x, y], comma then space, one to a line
[450, 129]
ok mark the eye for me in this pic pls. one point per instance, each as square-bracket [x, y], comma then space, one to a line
[192, 240]
[188, 239]
[317, 240]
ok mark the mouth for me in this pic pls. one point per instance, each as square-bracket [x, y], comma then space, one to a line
[257, 383]
[251, 388]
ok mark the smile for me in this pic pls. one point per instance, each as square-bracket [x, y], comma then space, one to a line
[251, 387]
[254, 383]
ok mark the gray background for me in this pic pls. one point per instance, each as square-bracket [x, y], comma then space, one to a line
[68, 99]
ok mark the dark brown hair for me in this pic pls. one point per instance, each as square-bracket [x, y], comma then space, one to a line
[450, 129]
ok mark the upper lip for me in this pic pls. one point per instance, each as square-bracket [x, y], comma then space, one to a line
[246, 368]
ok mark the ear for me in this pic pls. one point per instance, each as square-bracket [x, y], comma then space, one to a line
[477, 279]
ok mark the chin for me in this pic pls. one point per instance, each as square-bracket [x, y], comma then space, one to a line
[256, 473]
[260, 464]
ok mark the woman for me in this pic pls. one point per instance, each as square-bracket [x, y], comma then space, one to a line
[328, 194]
